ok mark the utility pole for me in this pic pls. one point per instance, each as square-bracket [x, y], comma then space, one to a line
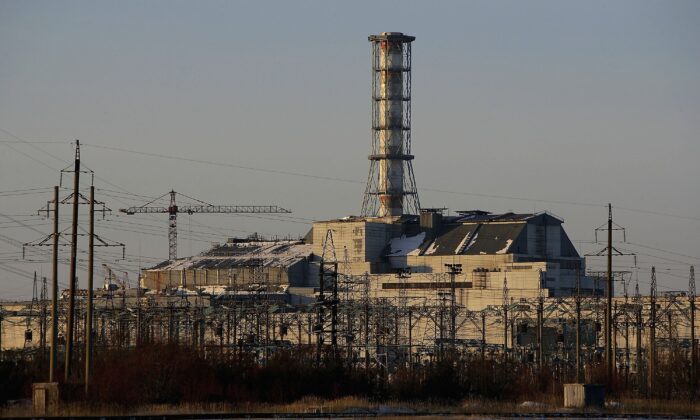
[73, 261]
[365, 298]
[483, 334]
[693, 347]
[453, 270]
[613, 320]
[91, 269]
[608, 251]
[505, 318]
[578, 325]
[410, 339]
[652, 333]
[54, 289]
[320, 321]
[540, 320]
[608, 307]
[43, 324]
[334, 308]
[638, 336]
[441, 326]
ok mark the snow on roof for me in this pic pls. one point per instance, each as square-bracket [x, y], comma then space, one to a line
[432, 248]
[466, 242]
[505, 249]
[460, 239]
[243, 254]
[406, 245]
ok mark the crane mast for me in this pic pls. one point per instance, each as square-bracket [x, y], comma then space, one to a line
[173, 209]
[172, 227]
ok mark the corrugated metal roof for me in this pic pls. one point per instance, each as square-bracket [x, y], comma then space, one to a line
[243, 254]
[481, 217]
[460, 237]
[494, 238]
[449, 238]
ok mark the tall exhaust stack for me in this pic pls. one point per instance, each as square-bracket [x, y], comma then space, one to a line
[391, 186]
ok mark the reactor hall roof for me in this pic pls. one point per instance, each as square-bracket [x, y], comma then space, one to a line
[473, 233]
[243, 253]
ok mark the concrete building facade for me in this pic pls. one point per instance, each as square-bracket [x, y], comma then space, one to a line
[529, 254]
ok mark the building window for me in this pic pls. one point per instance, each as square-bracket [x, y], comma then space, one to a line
[357, 244]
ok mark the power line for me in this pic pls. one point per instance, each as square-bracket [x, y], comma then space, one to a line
[228, 165]
[354, 181]
[34, 141]
[337, 179]
[663, 250]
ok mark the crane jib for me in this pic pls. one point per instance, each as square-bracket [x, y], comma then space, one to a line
[173, 209]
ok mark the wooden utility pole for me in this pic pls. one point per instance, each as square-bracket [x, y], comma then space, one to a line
[652, 333]
[43, 324]
[614, 337]
[453, 270]
[410, 339]
[578, 326]
[638, 344]
[608, 307]
[505, 318]
[91, 263]
[638, 305]
[608, 251]
[73, 262]
[54, 290]
[540, 321]
[483, 334]
[366, 307]
[693, 347]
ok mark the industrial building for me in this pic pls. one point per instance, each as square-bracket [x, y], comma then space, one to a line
[397, 285]
[529, 254]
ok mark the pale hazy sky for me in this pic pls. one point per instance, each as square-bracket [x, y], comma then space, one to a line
[525, 106]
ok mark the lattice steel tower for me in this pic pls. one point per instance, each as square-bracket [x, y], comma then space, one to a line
[391, 185]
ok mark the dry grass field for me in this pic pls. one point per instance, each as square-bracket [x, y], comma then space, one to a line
[356, 406]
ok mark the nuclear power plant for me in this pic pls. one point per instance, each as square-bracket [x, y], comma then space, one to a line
[397, 285]
[530, 253]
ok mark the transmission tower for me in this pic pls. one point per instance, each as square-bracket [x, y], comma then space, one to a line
[328, 279]
[609, 251]
[173, 209]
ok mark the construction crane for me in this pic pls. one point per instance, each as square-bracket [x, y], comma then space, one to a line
[173, 209]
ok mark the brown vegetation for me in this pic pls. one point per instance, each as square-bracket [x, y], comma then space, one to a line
[155, 379]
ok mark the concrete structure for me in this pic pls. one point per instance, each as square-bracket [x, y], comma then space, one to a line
[239, 264]
[528, 253]
[45, 398]
[391, 189]
[583, 395]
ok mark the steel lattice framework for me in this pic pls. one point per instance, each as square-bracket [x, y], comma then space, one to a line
[391, 186]
[173, 209]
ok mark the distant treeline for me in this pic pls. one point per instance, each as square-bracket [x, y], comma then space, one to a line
[162, 374]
